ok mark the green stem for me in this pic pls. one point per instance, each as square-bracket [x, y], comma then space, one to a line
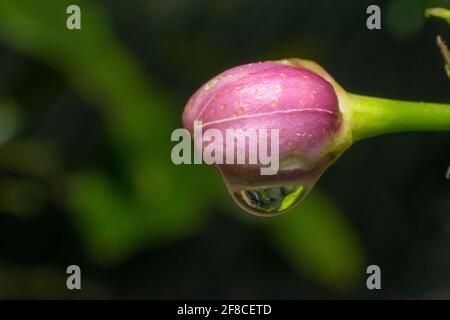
[375, 116]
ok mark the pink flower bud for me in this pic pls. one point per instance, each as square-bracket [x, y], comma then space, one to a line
[298, 102]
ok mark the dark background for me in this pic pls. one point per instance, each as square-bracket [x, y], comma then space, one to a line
[86, 176]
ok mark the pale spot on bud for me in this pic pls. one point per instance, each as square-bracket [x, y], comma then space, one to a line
[211, 84]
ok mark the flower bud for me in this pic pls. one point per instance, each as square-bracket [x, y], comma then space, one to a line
[295, 98]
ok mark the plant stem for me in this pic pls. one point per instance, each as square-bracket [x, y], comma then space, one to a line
[376, 116]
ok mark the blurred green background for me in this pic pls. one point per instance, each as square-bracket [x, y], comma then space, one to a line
[86, 176]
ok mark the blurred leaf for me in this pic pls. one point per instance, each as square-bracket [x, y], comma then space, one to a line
[156, 200]
[438, 12]
[9, 121]
[21, 197]
[29, 158]
[113, 224]
[94, 62]
[317, 240]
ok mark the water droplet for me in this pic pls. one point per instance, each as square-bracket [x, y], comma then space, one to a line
[271, 195]
[269, 201]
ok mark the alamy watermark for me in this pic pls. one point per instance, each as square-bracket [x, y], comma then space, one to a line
[73, 21]
[373, 22]
[74, 279]
[249, 146]
[374, 279]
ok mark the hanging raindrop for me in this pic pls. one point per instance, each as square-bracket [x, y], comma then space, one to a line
[269, 201]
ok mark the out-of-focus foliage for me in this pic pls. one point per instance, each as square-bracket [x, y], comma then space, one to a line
[158, 200]
[9, 120]
[154, 203]
[316, 238]
[438, 12]
[138, 215]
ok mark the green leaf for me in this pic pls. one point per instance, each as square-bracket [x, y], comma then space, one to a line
[316, 239]
[439, 13]
[146, 199]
